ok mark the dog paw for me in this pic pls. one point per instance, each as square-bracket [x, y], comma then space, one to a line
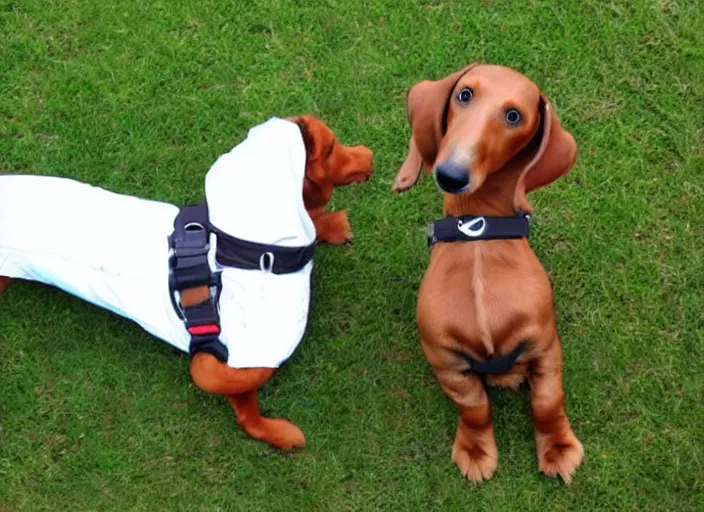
[476, 460]
[337, 230]
[403, 183]
[283, 434]
[559, 454]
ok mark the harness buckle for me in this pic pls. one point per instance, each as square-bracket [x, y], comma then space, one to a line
[188, 257]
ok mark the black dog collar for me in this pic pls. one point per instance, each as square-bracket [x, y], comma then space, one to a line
[470, 228]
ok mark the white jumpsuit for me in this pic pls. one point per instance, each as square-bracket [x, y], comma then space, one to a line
[112, 249]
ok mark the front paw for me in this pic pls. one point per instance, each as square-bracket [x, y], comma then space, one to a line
[335, 229]
[475, 456]
[559, 454]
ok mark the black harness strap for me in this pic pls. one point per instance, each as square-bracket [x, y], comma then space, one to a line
[189, 268]
[495, 366]
[277, 259]
[470, 228]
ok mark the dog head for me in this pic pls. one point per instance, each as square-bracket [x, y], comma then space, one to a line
[481, 120]
[329, 163]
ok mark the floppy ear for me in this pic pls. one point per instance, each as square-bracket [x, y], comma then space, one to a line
[555, 156]
[313, 143]
[427, 105]
[407, 176]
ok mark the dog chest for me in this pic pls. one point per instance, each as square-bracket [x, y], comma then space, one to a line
[484, 299]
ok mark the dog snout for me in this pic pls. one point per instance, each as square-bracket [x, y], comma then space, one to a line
[452, 177]
[368, 158]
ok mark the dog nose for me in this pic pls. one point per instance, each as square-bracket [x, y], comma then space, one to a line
[452, 178]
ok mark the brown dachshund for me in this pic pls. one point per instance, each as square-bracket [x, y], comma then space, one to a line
[490, 137]
[328, 164]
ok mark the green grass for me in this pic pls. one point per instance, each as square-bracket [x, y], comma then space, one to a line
[141, 97]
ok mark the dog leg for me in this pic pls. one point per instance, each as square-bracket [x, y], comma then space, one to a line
[240, 385]
[333, 227]
[277, 432]
[559, 450]
[212, 376]
[474, 451]
[4, 281]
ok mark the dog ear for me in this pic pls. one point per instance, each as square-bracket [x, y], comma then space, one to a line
[312, 140]
[407, 176]
[304, 123]
[556, 154]
[427, 105]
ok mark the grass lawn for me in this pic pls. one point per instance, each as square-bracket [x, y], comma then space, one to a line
[141, 97]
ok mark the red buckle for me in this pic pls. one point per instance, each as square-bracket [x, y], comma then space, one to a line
[200, 330]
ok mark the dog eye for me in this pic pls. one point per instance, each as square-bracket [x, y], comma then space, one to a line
[513, 116]
[465, 95]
